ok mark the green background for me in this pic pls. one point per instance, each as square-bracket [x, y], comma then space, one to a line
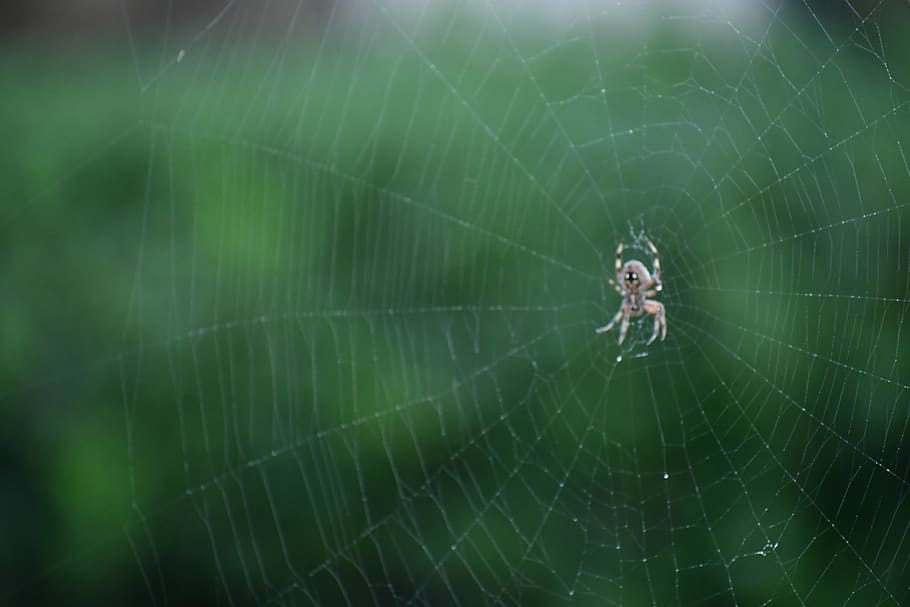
[307, 315]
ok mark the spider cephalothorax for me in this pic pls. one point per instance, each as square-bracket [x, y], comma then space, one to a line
[636, 285]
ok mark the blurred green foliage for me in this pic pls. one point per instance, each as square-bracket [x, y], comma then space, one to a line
[294, 323]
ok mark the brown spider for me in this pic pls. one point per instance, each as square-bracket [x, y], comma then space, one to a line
[636, 285]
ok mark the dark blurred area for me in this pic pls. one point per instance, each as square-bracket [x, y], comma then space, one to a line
[86, 17]
[81, 17]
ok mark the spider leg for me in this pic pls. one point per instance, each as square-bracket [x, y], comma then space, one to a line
[660, 320]
[614, 285]
[609, 325]
[657, 280]
[619, 258]
[624, 326]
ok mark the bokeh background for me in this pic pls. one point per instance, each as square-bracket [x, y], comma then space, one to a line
[299, 297]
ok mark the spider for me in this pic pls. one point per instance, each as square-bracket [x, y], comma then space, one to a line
[636, 285]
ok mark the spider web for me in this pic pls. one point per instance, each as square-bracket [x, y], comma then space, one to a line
[332, 337]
